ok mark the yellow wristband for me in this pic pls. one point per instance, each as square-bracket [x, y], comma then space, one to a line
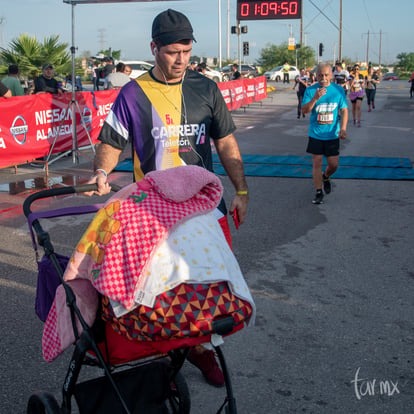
[242, 192]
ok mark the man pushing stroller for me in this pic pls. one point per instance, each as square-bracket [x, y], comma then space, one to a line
[171, 114]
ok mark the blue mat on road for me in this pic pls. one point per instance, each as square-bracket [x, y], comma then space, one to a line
[301, 171]
[350, 161]
[295, 166]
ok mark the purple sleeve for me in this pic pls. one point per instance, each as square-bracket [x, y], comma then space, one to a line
[3, 89]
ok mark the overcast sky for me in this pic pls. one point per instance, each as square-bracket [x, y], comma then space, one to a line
[127, 26]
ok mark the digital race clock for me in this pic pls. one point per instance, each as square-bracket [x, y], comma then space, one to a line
[262, 9]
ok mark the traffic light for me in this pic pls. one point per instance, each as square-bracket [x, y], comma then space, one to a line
[245, 48]
[320, 49]
[234, 29]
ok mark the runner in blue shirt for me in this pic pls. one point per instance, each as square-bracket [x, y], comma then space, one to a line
[325, 101]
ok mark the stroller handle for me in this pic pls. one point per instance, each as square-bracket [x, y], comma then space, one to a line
[52, 192]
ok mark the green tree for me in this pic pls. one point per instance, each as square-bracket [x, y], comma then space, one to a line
[405, 62]
[30, 55]
[115, 54]
[306, 57]
[272, 56]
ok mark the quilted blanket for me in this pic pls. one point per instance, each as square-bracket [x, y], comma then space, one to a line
[150, 209]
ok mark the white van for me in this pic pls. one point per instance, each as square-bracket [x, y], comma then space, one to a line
[138, 67]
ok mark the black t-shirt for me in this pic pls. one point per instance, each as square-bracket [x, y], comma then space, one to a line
[107, 70]
[341, 78]
[302, 86]
[236, 75]
[42, 84]
[169, 124]
[3, 89]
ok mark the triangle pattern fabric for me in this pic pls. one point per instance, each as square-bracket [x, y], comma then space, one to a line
[188, 310]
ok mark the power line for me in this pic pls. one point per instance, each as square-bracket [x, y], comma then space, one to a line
[102, 39]
[316, 16]
[323, 14]
[368, 18]
[368, 34]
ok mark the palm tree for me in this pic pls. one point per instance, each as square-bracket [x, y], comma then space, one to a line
[30, 55]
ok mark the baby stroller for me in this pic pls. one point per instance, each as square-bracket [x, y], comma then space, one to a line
[138, 376]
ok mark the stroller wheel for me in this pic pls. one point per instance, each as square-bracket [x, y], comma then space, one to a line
[179, 401]
[42, 402]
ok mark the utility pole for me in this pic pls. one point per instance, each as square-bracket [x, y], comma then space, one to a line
[239, 44]
[340, 32]
[301, 25]
[368, 36]
[102, 38]
[228, 29]
[2, 22]
[219, 31]
[380, 41]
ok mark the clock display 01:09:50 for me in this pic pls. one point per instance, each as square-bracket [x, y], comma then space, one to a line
[260, 9]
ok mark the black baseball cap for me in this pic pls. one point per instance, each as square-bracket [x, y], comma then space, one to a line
[47, 66]
[171, 26]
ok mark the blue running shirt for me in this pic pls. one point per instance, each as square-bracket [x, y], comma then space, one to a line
[324, 122]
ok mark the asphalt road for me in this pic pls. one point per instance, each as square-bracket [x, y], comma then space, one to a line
[333, 284]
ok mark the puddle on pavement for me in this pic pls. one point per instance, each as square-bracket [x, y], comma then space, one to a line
[12, 207]
[40, 183]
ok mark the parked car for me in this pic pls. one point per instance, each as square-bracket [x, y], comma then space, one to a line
[390, 76]
[138, 67]
[246, 71]
[276, 74]
[215, 75]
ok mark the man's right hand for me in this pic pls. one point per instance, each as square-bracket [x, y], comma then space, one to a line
[103, 186]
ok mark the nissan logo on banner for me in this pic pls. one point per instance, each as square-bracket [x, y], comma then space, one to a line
[19, 129]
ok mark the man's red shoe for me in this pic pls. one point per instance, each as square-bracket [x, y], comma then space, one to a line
[205, 361]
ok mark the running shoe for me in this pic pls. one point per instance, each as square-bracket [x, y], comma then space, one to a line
[326, 184]
[318, 198]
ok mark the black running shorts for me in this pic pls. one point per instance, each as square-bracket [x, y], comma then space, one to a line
[328, 148]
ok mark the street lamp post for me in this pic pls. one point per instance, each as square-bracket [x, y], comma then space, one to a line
[219, 31]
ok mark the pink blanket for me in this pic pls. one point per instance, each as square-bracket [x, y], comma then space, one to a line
[118, 245]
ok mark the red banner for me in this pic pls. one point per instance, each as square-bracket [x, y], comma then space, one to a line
[243, 92]
[33, 126]
[260, 89]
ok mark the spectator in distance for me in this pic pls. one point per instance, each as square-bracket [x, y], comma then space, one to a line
[12, 81]
[119, 78]
[235, 74]
[46, 83]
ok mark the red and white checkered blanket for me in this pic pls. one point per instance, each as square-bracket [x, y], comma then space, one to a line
[119, 242]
